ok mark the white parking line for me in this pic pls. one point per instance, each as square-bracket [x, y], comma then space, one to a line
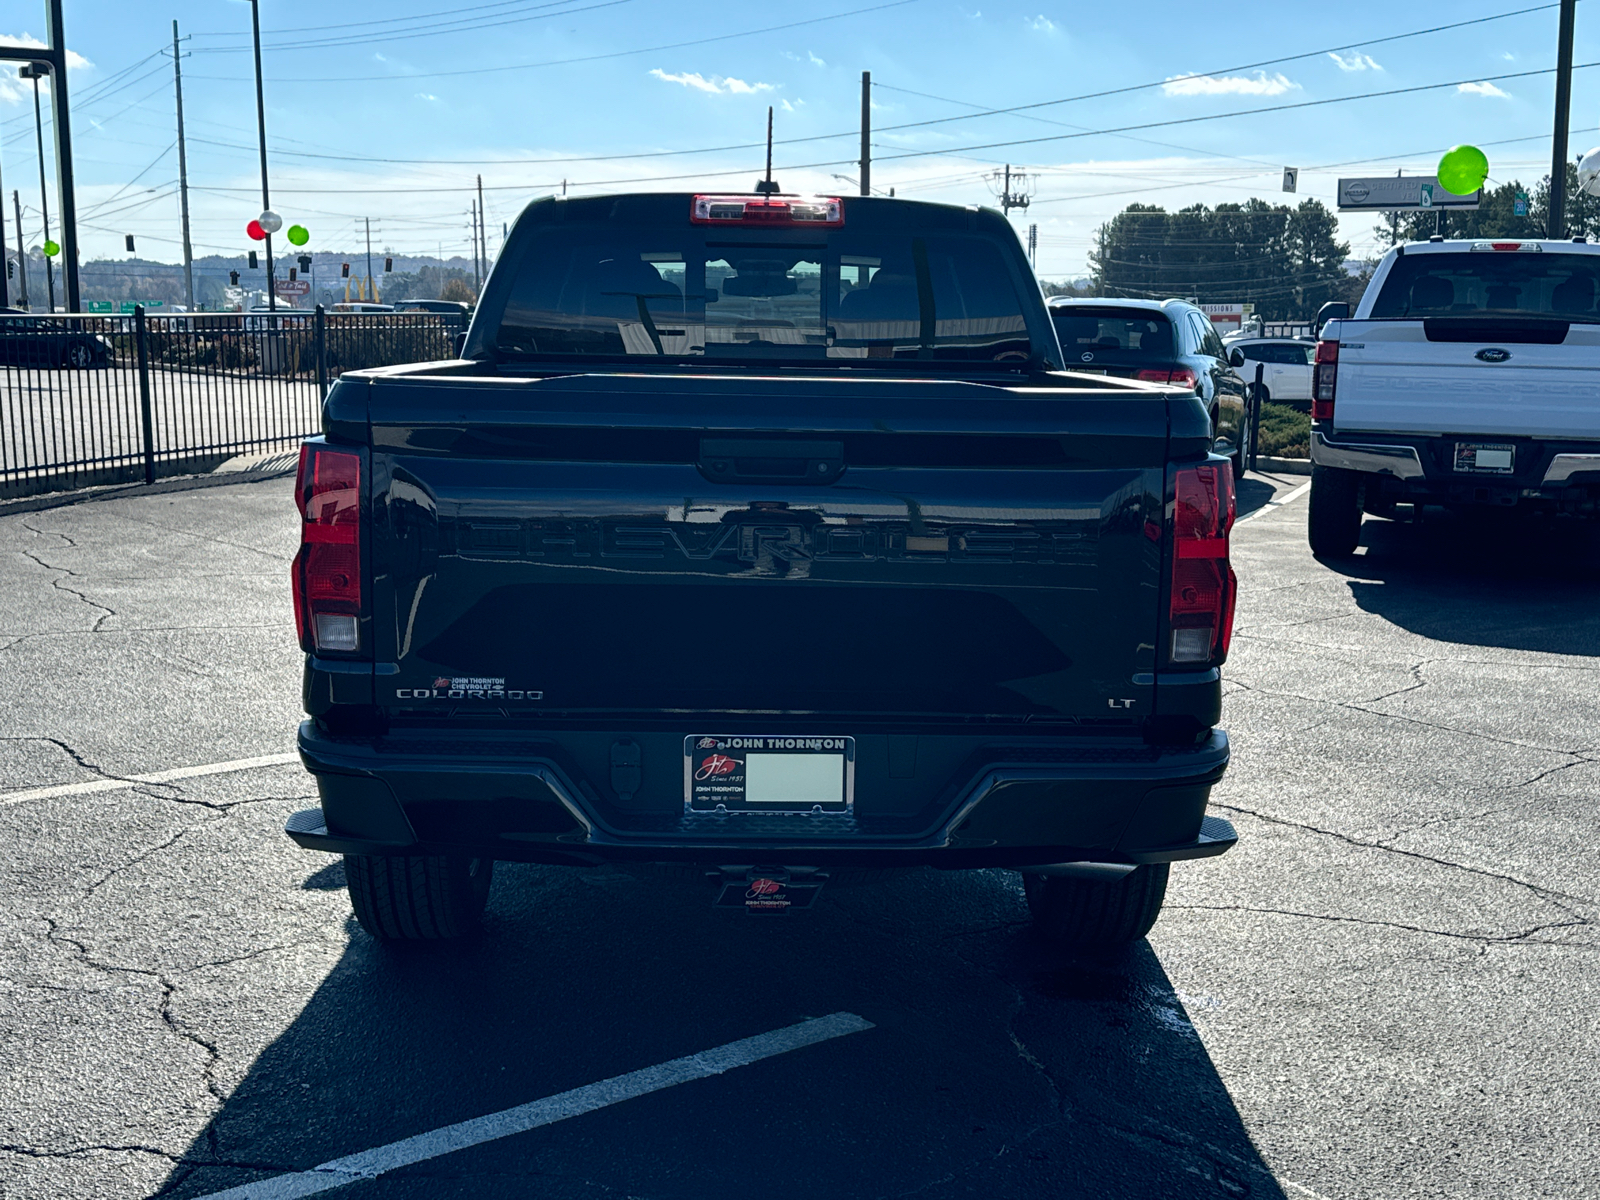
[1278, 502]
[172, 776]
[369, 1164]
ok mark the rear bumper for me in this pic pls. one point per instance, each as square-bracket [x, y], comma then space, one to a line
[504, 796]
[1559, 475]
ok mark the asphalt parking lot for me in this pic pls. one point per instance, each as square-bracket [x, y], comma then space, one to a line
[1388, 989]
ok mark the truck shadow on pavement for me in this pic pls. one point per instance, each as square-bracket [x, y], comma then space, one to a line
[1516, 585]
[996, 1067]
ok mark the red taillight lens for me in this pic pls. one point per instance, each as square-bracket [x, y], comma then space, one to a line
[1203, 584]
[1182, 376]
[326, 575]
[1324, 381]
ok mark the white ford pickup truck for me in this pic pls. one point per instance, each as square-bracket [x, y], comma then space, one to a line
[1469, 375]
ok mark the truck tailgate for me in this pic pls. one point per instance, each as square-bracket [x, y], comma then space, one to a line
[1394, 377]
[592, 545]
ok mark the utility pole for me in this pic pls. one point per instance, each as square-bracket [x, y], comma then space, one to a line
[866, 133]
[477, 280]
[1558, 143]
[1033, 246]
[1008, 198]
[183, 176]
[261, 130]
[483, 229]
[371, 285]
[5, 280]
[22, 258]
[35, 72]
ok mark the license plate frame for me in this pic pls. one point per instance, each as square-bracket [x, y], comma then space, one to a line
[1469, 458]
[769, 773]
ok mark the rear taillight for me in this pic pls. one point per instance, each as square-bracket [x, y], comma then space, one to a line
[1325, 381]
[1203, 583]
[1182, 376]
[326, 576]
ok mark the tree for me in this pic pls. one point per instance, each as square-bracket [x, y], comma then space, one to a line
[1286, 261]
[458, 289]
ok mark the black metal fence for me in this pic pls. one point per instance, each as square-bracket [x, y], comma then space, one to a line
[114, 399]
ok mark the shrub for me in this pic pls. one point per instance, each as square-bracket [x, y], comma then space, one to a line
[1285, 432]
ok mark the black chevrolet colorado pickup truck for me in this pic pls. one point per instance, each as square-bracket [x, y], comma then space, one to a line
[762, 540]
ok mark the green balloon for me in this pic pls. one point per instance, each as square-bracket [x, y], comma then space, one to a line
[299, 235]
[1462, 170]
[51, 249]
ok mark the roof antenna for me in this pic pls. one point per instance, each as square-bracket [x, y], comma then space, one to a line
[766, 187]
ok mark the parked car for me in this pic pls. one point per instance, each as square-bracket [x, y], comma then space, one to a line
[361, 306]
[35, 340]
[1287, 363]
[1159, 341]
[765, 548]
[452, 308]
[1466, 378]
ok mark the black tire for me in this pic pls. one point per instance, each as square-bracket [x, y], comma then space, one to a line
[77, 356]
[415, 898]
[1068, 911]
[1333, 524]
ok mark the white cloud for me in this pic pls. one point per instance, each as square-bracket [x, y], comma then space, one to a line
[716, 85]
[1042, 24]
[1354, 62]
[815, 61]
[1509, 57]
[12, 89]
[1482, 89]
[1228, 85]
[427, 96]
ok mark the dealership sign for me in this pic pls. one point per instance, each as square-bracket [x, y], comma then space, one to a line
[1388, 193]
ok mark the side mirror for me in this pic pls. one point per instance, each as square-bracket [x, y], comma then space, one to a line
[458, 343]
[1333, 310]
[1236, 358]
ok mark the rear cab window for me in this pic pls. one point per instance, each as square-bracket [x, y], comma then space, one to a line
[1492, 283]
[640, 281]
[1113, 335]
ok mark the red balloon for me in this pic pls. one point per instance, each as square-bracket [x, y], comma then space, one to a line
[254, 230]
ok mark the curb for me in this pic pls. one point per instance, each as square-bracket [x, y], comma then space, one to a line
[1283, 466]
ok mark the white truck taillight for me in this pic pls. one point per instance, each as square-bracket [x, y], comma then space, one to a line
[1203, 583]
[326, 575]
[1325, 380]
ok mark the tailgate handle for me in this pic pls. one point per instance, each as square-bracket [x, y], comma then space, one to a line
[743, 460]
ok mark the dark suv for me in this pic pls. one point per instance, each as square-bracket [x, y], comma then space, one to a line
[1159, 341]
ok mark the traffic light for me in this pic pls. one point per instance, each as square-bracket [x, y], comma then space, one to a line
[293, 275]
[252, 260]
[11, 268]
[388, 266]
[130, 243]
[233, 278]
[344, 270]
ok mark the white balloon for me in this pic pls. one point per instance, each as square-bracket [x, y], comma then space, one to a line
[1589, 172]
[270, 221]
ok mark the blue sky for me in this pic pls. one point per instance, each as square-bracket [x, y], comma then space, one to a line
[391, 110]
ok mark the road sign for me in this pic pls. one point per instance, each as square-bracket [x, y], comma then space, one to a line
[1291, 178]
[1519, 204]
[99, 306]
[127, 306]
[1388, 193]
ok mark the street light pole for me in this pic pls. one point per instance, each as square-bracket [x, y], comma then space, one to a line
[34, 71]
[261, 128]
[183, 176]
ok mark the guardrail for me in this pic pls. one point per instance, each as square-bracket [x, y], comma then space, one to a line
[115, 399]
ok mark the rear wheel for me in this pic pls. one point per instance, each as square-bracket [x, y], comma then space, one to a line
[1333, 524]
[408, 898]
[78, 355]
[1069, 911]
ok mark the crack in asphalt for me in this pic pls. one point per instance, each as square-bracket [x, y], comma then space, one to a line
[66, 572]
[1549, 895]
[93, 768]
[133, 862]
[138, 1148]
[1356, 707]
[1525, 937]
[201, 537]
